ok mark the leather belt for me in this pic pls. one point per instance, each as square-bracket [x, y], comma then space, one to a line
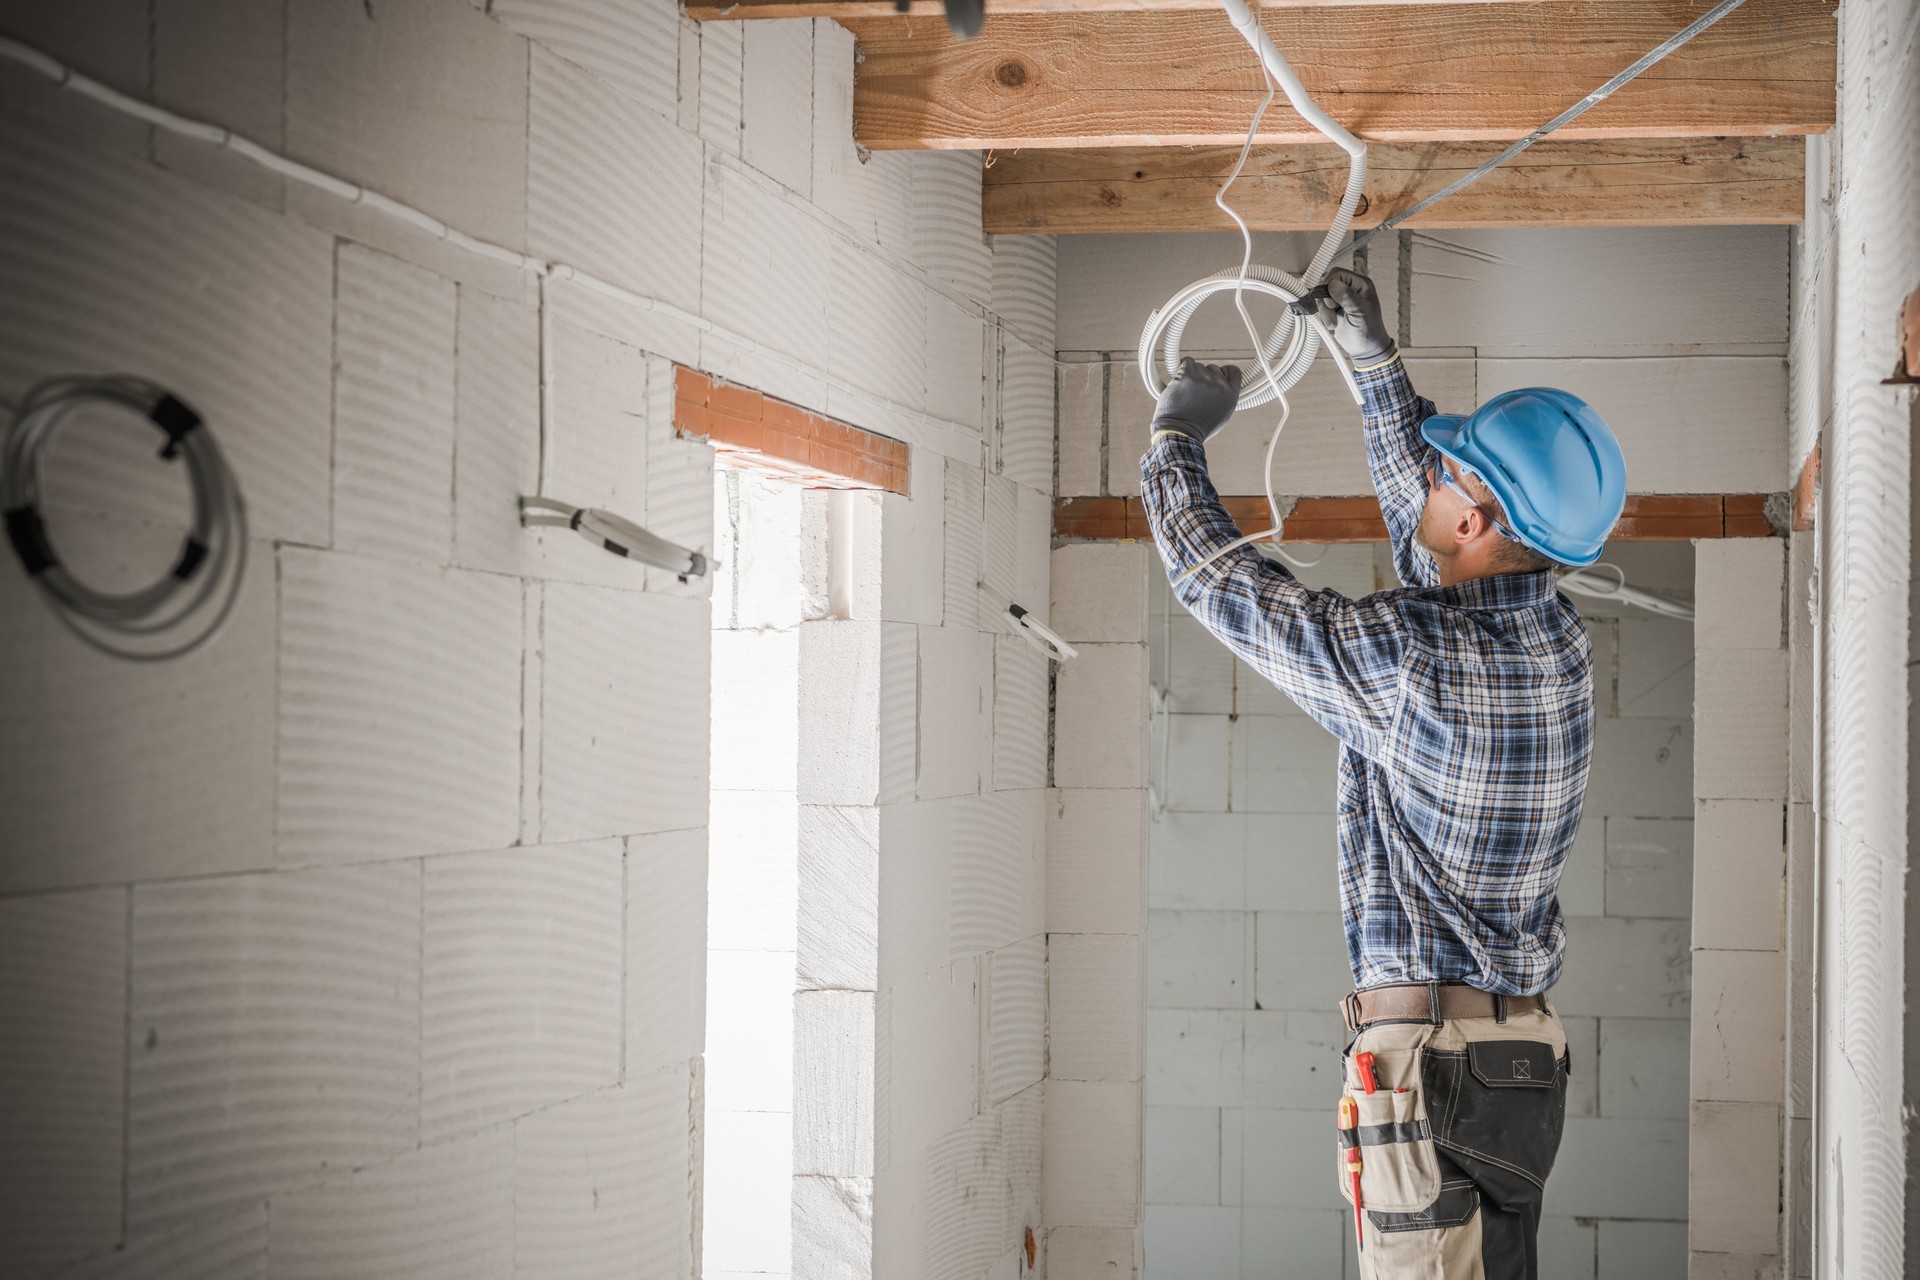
[1433, 1002]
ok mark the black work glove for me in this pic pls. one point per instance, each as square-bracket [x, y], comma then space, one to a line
[1355, 317]
[1200, 400]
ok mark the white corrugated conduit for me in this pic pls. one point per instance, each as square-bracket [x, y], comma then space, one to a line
[1286, 353]
[608, 530]
[1594, 584]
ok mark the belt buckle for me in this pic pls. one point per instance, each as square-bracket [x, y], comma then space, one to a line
[1350, 1010]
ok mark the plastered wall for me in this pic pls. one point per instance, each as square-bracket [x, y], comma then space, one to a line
[1246, 961]
[1857, 256]
[371, 939]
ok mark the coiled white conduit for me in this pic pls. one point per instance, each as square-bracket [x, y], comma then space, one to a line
[1288, 351]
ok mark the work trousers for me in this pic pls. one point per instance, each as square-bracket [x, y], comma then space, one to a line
[1455, 1143]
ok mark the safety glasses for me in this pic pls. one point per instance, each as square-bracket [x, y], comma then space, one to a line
[1437, 473]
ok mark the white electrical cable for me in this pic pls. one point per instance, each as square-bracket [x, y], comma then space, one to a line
[1566, 117]
[1166, 326]
[67, 78]
[1022, 623]
[186, 606]
[613, 533]
[1295, 340]
[1585, 582]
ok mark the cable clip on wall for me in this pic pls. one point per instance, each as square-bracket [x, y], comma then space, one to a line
[613, 533]
[1029, 628]
[186, 606]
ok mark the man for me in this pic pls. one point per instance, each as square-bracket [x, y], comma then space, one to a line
[1463, 703]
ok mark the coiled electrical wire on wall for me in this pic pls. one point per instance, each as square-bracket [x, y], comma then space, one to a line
[187, 605]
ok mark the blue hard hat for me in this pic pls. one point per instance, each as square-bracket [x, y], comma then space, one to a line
[1551, 461]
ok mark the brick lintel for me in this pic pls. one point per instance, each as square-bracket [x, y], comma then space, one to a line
[749, 429]
[1653, 517]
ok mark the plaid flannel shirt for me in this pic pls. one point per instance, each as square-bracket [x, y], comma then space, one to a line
[1464, 713]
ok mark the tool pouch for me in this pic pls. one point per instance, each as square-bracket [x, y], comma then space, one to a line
[1399, 1171]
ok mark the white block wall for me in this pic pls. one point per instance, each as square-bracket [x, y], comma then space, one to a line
[1096, 913]
[371, 938]
[1856, 258]
[1246, 959]
[1739, 1061]
[1695, 387]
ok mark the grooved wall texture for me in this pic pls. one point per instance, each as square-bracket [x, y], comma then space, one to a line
[1242, 952]
[1245, 959]
[1853, 1202]
[1695, 387]
[371, 939]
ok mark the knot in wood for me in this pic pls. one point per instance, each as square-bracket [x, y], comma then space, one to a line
[1010, 74]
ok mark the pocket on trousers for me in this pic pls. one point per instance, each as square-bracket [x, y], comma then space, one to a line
[1399, 1168]
[1506, 1103]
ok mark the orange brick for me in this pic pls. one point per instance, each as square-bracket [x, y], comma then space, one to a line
[736, 433]
[691, 385]
[1337, 508]
[692, 419]
[1695, 505]
[1806, 492]
[1090, 517]
[784, 418]
[1749, 527]
[737, 401]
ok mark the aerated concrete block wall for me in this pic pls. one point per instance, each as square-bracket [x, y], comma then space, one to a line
[371, 939]
[1853, 1207]
[1695, 386]
[1739, 1062]
[1096, 913]
[1246, 958]
[1697, 389]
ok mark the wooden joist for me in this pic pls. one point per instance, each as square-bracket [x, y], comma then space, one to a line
[1615, 182]
[737, 10]
[1406, 73]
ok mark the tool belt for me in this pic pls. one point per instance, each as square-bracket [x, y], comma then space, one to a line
[1433, 1002]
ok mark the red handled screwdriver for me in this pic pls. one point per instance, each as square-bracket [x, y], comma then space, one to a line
[1350, 1121]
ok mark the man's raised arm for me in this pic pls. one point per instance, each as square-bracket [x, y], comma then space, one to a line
[1338, 658]
[1397, 457]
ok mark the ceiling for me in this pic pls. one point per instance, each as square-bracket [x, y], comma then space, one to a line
[1126, 115]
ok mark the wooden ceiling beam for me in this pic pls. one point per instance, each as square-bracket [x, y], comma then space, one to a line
[1610, 182]
[1409, 73]
[740, 10]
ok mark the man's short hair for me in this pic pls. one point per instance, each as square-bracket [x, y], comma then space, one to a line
[1508, 555]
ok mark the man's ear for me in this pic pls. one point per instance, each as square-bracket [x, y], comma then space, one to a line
[1468, 526]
